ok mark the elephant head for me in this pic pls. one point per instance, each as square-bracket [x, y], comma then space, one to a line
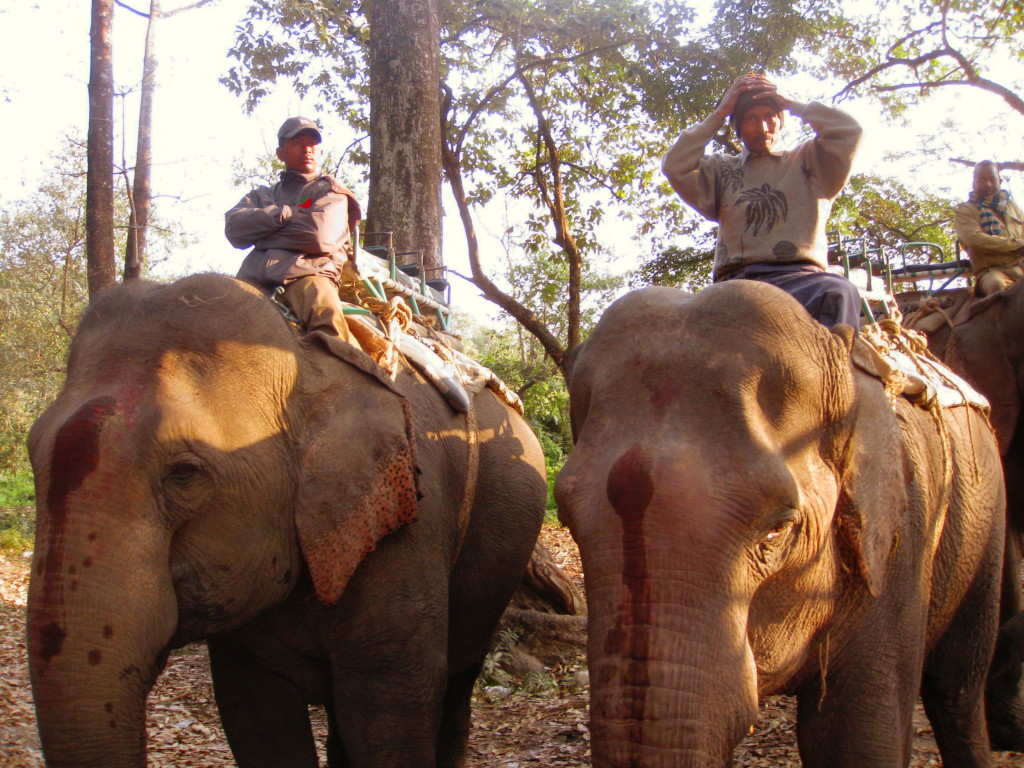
[198, 458]
[721, 490]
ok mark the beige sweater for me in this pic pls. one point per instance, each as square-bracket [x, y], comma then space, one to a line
[771, 208]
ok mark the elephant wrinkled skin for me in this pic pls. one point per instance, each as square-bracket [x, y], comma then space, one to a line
[754, 517]
[984, 343]
[206, 473]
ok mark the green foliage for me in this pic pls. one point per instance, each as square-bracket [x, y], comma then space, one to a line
[520, 362]
[887, 215]
[17, 489]
[17, 510]
[688, 268]
[42, 293]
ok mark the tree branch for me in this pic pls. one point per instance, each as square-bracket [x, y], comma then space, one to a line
[192, 7]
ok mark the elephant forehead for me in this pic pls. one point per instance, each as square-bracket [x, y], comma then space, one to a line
[231, 396]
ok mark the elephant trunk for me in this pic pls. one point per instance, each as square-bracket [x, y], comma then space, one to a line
[672, 685]
[673, 678]
[101, 608]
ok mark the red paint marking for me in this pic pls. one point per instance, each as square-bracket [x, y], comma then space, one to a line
[76, 451]
[665, 394]
[75, 457]
[630, 490]
[51, 641]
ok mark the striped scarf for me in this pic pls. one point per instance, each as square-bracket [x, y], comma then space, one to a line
[993, 210]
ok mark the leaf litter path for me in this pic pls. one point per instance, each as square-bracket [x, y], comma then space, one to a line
[541, 725]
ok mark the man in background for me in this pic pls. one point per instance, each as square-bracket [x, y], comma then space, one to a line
[991, 227]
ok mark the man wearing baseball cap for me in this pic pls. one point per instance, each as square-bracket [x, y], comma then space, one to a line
[771, 205]
[300, 231]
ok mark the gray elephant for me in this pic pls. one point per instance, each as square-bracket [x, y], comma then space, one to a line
[755, 517]
[339, 539]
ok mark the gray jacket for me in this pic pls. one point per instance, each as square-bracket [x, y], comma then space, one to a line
[298, 227]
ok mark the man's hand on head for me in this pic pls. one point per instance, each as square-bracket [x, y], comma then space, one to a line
[748, 82]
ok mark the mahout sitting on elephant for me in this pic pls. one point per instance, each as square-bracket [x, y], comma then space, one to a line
[983, 341]
[756, 516]
[339, 538]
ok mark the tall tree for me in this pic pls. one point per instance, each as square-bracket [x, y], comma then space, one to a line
[140, 193]
[405, 133]
[100, 184]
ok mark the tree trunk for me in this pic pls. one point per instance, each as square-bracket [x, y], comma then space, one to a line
[545, 587]
[547, 616]
[405, 127]
[142, 195]
[99, 196]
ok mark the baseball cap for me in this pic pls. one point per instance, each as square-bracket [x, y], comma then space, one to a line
[294, 125]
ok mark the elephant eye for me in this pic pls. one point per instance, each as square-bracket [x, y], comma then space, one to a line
[183, 471]
[771, 546]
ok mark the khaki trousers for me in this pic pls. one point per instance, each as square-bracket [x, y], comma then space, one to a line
[315, 302]
[993, 279]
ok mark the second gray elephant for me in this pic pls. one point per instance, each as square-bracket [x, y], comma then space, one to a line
[755, 517]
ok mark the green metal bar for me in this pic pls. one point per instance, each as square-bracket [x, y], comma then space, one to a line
[372, 288]
[414, 304]
[355, 311]
[867, 310]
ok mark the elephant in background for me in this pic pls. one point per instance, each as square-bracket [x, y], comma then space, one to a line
[984, 343]
[755, 517]
[337, 537]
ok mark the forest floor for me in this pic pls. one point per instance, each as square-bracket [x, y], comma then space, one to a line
[541, 722]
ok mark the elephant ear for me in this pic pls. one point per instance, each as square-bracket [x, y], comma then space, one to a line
[873, 492]
[357, 483]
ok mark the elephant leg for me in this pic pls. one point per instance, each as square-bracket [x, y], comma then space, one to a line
[454, 735]
[388, 718]
[953, 683]
[861, 715]
[265, 715]
[1002, 694]
[1009, 646]
[336, 757]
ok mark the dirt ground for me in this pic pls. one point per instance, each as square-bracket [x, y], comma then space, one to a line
[538, 723]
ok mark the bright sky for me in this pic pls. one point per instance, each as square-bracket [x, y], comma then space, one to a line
[201, 130]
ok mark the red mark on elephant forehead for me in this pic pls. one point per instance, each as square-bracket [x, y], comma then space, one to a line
[630, 490]
[76, 450]
[665, 393]
[75, 456]
[630, 486]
